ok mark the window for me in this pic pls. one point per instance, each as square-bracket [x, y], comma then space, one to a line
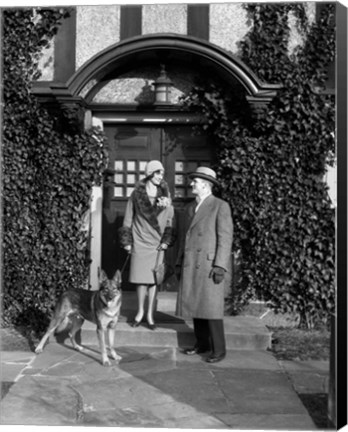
[181, 181]
[128, 173]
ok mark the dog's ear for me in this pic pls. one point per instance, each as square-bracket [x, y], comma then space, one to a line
[102, 276]
[118, 277]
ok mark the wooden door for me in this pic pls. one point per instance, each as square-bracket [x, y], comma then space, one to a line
[130, 147]
[183, 152]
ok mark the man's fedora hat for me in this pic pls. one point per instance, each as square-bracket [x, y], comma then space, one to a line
[206, 174]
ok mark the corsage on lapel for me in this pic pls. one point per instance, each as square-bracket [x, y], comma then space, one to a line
[143, 206]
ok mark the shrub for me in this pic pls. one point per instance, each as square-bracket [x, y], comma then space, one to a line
[47, 181]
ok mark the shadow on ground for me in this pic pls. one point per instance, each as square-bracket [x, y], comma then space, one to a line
[316, 405]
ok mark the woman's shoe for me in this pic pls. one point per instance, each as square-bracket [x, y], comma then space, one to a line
[135, 322]
[151, 326]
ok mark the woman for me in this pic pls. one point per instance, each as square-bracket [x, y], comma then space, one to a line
[147, 230]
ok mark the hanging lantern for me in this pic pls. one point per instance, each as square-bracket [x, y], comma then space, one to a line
[162, 88]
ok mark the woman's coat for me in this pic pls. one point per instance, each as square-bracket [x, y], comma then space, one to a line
[145, 227]
[207, 243]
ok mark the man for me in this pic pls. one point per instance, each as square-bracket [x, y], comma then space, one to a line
[203, 259]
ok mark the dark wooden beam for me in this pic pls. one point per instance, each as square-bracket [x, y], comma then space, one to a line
[198, 21]
[65, 49]
[130, 21]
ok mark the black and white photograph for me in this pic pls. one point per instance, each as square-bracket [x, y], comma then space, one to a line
[174, 215]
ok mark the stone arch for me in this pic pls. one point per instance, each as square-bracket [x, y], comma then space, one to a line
[124, 53]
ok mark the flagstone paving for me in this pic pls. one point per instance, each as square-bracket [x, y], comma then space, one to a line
[156, 387]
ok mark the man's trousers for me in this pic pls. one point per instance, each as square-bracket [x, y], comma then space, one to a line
[210, 335]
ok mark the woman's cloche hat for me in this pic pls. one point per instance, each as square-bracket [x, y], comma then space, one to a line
[206, 174]
[152, 167]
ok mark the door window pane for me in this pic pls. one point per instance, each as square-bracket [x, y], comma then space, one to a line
[118, 192]
[179, 179]
[119, 165]
[119, 178]
[179, 166]
[130, 178]
[179, 193]
[130, 165]
[191, 166]
[142, 165]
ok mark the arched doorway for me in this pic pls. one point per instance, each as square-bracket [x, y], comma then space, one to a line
[138, 130]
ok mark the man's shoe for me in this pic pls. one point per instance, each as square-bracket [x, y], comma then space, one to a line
[215, 358]
[194, 350]
[135, 323]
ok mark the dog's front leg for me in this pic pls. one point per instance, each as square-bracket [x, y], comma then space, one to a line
[102, 346]
[111, 337]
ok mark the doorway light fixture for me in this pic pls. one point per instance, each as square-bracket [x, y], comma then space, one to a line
[162, 88]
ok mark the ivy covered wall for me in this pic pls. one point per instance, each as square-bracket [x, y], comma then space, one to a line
[272, 163]
[47, 178]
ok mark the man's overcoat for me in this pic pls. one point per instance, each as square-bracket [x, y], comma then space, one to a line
[207, 243]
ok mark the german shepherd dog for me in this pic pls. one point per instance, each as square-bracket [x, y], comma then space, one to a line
[101, 307]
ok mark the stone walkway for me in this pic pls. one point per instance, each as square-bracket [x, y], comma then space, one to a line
[158, 387]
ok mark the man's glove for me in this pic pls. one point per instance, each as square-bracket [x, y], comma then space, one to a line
[218, 274]
[178, 272]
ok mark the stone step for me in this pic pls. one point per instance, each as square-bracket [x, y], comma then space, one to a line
[242, 332]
